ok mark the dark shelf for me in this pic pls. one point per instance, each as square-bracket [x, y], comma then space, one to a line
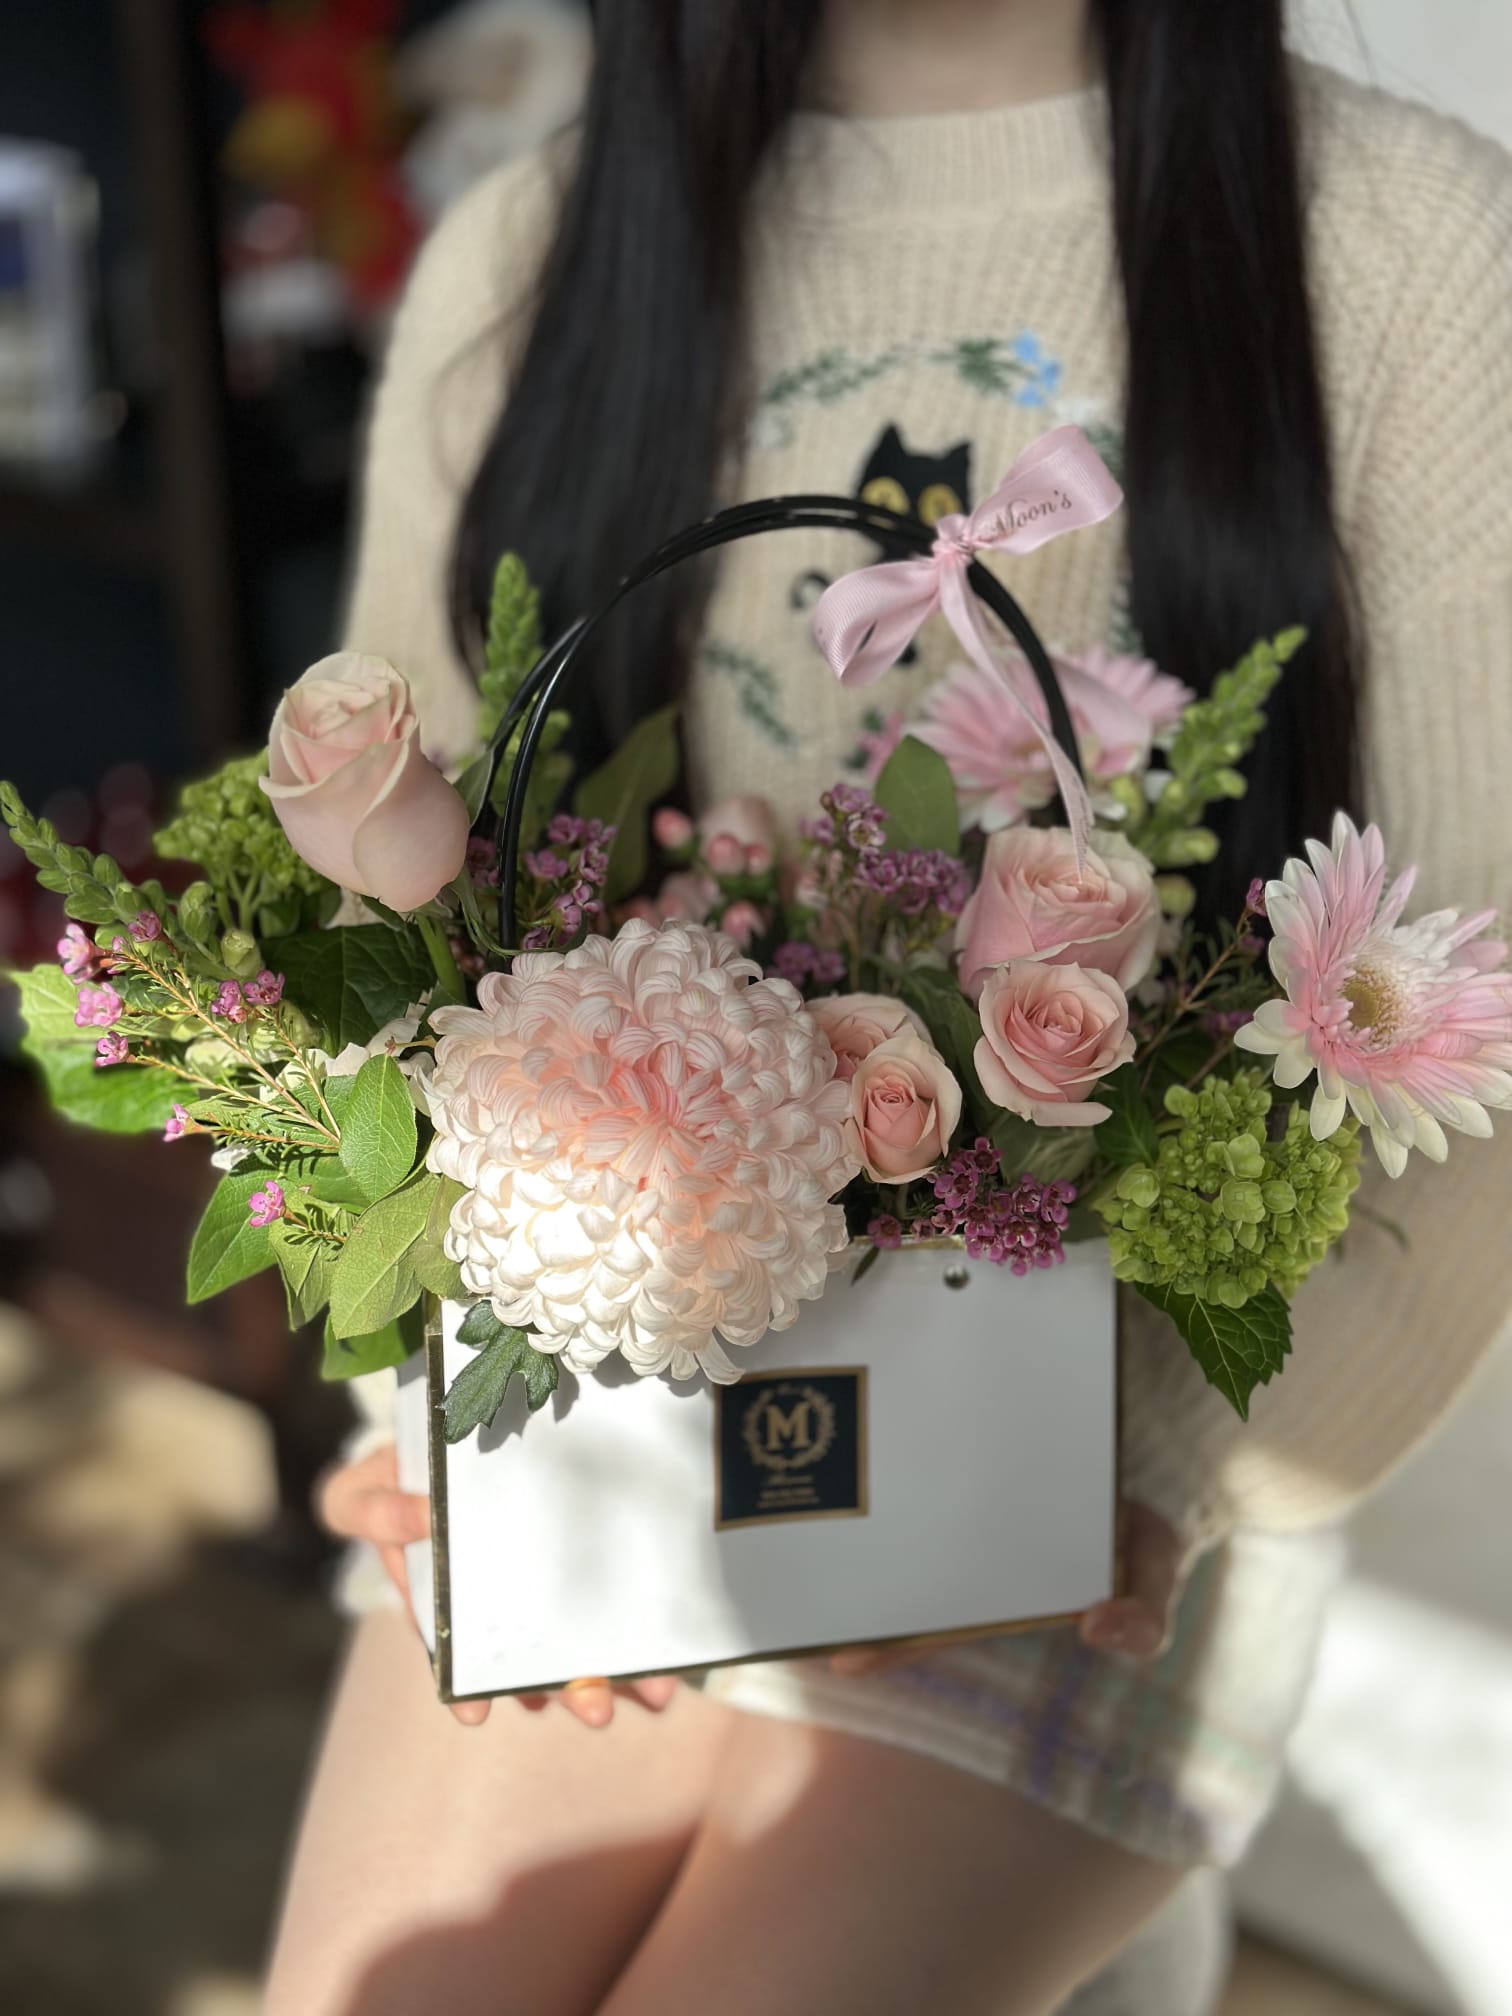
[98, 514]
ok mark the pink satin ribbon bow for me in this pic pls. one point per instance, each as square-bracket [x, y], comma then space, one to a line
[865, 621]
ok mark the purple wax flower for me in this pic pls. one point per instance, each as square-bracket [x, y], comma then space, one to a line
[229, 1003]
[885, 1232]
[111, 1050]
[78, 954]
[266, 991]
[1255, 900]
[145, 927]
[265, 1206]
[178, 1124]
[98, 1007]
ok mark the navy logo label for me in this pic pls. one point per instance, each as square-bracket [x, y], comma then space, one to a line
[790, 1445]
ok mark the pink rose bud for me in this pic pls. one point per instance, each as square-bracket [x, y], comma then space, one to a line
[671, 829]
[742, 922]
[745, 818]
[1049, 1033]
[1032, 903]
[758, 859]
[353, 790]
[905, 1103]
[725, 855]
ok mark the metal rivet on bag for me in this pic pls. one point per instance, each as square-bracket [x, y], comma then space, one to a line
[957, 1276]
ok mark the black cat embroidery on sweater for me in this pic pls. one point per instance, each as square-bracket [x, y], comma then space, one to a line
[896, 476]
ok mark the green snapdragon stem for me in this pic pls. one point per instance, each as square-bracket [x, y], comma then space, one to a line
[449, 984]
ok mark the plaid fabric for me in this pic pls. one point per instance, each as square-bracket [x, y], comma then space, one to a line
[1177, 1760]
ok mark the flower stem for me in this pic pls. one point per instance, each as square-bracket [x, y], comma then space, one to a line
[450, 985]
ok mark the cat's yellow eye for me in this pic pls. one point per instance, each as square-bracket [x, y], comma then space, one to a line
[938, 502]
[888, 492]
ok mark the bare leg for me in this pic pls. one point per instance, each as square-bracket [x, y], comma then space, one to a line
[510, 1869]
[836, 1877]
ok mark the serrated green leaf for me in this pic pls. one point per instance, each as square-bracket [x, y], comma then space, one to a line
[349, 1357]
[116, 1099]
[642, 770]
[352, 980]
[227, 1247]
[918, 794]
[306, 1264]
[1128, 1134]
[480, 1326]
[375, 1278]
[477, 1392]
[1237, 1349]
[378, 1138]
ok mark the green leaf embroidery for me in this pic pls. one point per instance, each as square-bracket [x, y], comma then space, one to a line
[375, 1278]
[1238, 1349]
[1128, 1134]
[477, 1392]
[642, 770]
[918, 794]
[119, 1098]
[227, 1246]
[353, 980]
[378, 1132]
[349, 1357]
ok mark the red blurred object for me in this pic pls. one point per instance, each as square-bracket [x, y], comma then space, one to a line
[322, 129]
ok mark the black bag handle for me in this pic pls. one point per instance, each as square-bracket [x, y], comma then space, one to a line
[893, 530]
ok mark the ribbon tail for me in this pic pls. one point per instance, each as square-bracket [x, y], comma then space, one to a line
[865, 621]
[1059, 484]
[964, 615]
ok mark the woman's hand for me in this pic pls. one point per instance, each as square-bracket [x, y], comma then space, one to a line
[362, 1501]
[1137, 1623]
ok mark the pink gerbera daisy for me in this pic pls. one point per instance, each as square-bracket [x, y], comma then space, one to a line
[1408, 1026]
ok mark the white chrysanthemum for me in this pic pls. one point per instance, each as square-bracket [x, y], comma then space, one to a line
[650, 1135]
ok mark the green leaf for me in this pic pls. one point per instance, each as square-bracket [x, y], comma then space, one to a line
[865, 1264]
[1238, 1349]
[1049, 1154]
[235, 1118]
[375, 1278]
[473, 784]
[642, 770]
[333, 1184]
[1128, 1135]
[955, 1029]
[348, 1357]
[115, 1098]
[378, 1132]
[918, 794]
[352, 980]
[477, 1392]
[227, 1246]
[307, 1264]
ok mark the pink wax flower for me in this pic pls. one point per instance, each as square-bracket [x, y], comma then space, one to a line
[1033, 902]
[1119, 707]
[744, 818]
[649, 1135]
[1408, 1026]
[98, 1007]
[1255, 900]
[266, 1206]
[266, 991]
[78, 954]
[742, 922]
[886, 1233]
[112, 1050]
[229, 1003]
[145, 927]
[178, 1124]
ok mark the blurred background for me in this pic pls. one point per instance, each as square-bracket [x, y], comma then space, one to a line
[206, 213]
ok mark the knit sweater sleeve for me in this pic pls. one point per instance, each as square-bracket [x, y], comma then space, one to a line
[1391, 1328]
[443, 382]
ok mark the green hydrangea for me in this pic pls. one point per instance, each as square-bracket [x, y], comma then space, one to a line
[1226, 1210]
[227, 827]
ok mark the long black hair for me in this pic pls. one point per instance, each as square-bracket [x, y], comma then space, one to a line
[632, 382]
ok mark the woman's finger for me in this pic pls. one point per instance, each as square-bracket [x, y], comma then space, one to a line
[654, 1693]
[591, 1701]
[362, 1501]
[1138, 1622]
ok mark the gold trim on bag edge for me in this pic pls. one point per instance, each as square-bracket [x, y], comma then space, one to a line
[441, 1658]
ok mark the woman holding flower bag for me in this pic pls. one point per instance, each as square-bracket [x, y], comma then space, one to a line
[987, 215]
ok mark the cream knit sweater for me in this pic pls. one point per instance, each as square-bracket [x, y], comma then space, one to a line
[928, 295]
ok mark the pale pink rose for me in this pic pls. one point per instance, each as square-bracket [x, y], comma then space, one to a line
[743, 817]
[1032, 902]
[1049, 1033]
[857, 1024]
[649, 1136]
[353, 790]
[1119, 706]
[905, 1104]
